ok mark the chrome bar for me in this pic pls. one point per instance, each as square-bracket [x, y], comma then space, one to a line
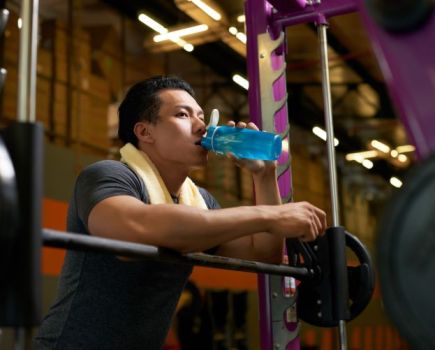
[326, 87]
[27, 61]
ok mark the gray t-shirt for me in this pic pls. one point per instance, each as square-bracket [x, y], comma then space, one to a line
[103, 302]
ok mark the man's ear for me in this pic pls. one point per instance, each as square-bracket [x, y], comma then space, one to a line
[142, 132]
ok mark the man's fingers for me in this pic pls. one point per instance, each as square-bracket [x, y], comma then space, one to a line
[251, 125]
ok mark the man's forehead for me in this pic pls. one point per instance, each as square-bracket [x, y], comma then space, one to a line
[178, 98]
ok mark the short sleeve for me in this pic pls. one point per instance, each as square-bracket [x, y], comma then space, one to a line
[210, 201]
[102, 180]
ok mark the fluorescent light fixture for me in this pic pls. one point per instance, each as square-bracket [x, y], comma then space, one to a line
[380, 146]
[233, 30]
[154, 25]
[207, 9]
[402, 158]
[394, 181]
[242, 37]
[361, 155]
[366, 163]
[181, 32]
[405, 149]
[241, 19]
[319, 132]
[243, 82]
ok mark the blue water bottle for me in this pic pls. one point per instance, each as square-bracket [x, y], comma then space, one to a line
[242, 142]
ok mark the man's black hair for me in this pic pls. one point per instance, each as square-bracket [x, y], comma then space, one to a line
[142, 103]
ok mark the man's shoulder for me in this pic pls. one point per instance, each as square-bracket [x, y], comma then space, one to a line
[108, 167]
[210, 201]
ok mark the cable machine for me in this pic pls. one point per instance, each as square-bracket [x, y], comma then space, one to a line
[400, 32]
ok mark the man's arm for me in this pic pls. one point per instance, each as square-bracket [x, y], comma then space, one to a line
[262, 246]
[188, 229]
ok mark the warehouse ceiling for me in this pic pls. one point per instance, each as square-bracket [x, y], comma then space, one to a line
[361, 106]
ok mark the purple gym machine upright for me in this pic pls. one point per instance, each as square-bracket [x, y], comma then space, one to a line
[412, 91]
[266, 22]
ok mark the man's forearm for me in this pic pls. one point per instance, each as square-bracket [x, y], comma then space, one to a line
[178, 227]
[268, 248]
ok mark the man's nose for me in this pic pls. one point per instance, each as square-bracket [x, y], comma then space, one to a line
[199, 125]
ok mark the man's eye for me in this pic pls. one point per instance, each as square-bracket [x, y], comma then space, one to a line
[181, 114]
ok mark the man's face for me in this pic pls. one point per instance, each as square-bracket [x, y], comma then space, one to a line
[179, 129]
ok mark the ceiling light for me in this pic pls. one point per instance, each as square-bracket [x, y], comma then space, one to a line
[405, 148]
[402, 158]
[394, 153]
[233, 30]
[154, 25]
[367, 164]
[241, 19]
[361, 155]
[20, 23]
[243, 82]
[242, 37]
[181, 32]
[380, 146]
[207, 9]
[319, 132]
[394, 181]
[188, 47]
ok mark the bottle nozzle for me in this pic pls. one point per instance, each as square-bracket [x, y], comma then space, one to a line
[214, 118]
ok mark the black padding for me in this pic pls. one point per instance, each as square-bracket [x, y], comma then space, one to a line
[400, 15]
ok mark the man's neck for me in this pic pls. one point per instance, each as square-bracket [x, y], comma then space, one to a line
[172, 176]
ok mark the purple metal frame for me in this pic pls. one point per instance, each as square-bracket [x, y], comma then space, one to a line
[407, 61]
[272, 17]
[412, 86]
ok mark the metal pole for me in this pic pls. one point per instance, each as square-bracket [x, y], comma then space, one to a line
[326, 87]
[60, 239]
[27, 61]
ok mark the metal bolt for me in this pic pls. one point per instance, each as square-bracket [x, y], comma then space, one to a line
[319, 302]
[261, 55]
[274, 295]
[319, 315]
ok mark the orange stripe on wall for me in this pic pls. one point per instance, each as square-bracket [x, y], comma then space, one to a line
[54, 216]
[214, 278]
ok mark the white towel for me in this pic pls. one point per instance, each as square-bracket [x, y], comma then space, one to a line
[159, 194]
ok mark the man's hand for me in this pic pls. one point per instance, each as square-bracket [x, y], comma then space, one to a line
[258, 168]
[298, 220]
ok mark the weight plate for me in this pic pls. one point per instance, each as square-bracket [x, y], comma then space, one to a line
[406, 256]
